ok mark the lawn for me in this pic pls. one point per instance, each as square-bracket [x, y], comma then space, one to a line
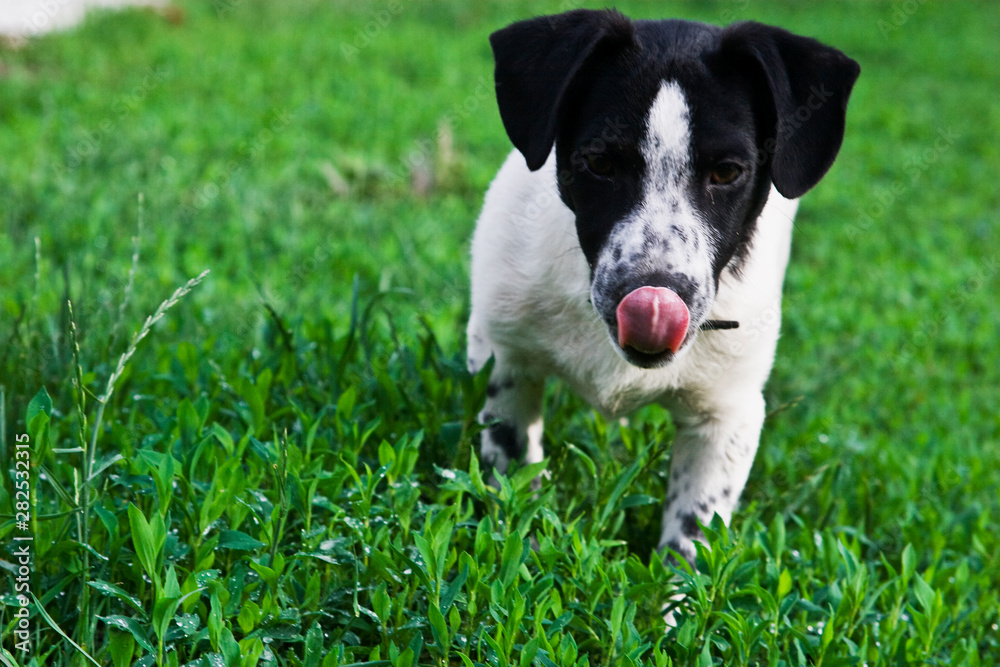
[278, 466]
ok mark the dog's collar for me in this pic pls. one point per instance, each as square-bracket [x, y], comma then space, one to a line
[718, 325]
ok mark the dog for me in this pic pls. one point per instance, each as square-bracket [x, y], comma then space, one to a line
[634, 242]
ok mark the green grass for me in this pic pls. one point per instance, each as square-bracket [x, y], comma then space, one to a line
[284, 470]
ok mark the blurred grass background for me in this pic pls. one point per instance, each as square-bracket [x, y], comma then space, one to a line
[324, 157]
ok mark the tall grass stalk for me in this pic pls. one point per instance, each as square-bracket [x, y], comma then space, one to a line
[130, 283]
[90, 449]
[80, 486]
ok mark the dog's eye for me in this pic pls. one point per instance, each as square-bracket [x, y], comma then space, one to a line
[724, 174]
[599, 164]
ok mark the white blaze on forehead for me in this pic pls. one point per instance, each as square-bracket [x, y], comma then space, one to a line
[668, 132]
[664, 234]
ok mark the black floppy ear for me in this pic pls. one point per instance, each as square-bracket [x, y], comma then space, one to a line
[536, 61]
[810, 84]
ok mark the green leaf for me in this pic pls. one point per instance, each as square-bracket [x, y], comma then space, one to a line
[449, 594]
[110, 589]
[104, 464]
[188, 623]
[215, 624]
[386, 454]
[251, 648]
[163, 476]
[438, 628]
[122, 647]
[404, 659]
[188, 423]
[625, 479]
[501, 657]
[686, 635]
[224, 437]
[237, 540]
[345, 404]
[230, 648]
[924, 593]
[528, 652]
[778, 538]
[483, 544]
[146, 540]
[168, 600]
[269, 576]
[171, 587]
[617, 613]
[522, 478]
[248, 617]
[827, 635]
[163, 613]
[39, 411]
[909, 562]
[381, 604]
[511, 559]
[705, 659]
[132, 627]
[587, 461]
[40, 404]
[417, 645]
[312, 653]
[426, 555]
[567, 650]
[637, 499]
[784, 583]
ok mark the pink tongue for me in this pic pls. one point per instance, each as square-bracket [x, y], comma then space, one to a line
[651, 320]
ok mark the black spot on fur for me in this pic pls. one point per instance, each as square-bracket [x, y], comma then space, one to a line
[686, 551]
[703, 508]
[494, 388]
[672, 497]
[726, 492]
[504, 435]
[689, 525]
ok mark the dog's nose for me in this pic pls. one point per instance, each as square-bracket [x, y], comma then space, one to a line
[652, 320]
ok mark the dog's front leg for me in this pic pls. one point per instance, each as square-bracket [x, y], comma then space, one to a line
[712, 454]
[513, 409]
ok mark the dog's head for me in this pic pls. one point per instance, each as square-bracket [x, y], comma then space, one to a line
[668, 137]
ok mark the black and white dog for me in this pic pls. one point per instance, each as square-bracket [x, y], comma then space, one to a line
[635, 244]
